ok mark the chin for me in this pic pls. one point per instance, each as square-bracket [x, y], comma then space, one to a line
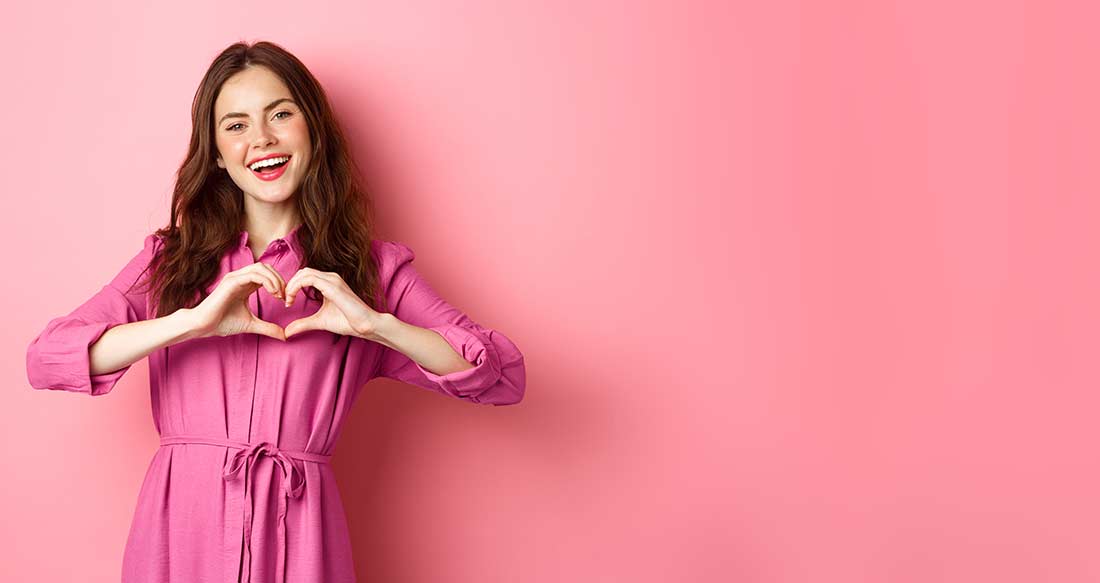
[274, 192]
[269, 197]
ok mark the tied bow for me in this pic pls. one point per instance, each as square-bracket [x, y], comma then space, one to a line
[291, 489]
[294, 477]
[290, 469]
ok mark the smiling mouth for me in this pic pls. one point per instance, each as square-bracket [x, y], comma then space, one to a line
[273, 171]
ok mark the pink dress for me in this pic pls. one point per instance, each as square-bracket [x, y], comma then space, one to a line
[241, 488]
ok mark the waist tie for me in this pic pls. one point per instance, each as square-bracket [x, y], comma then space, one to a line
[249, 452]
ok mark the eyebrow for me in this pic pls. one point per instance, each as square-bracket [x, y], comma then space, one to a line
[268, 107]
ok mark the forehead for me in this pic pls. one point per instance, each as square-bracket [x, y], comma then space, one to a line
[250, 89]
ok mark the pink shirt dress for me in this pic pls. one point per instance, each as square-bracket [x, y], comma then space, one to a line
[241, 488]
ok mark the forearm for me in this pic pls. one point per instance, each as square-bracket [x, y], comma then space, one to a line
[125, 344]
[425, 347]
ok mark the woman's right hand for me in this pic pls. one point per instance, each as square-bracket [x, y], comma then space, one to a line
[225, 311]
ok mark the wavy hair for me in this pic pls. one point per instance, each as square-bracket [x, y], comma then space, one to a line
[207, 212]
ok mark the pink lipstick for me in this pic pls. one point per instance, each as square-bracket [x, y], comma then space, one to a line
[270, 173]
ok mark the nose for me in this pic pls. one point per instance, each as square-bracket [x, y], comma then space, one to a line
[263, 138]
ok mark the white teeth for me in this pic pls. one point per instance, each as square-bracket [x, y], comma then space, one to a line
[269, 162]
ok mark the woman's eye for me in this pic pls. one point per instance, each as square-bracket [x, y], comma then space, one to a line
[232, 127]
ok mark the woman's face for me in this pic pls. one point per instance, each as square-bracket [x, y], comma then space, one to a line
[255, 117]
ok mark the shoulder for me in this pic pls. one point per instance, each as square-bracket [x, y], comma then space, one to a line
[153, 240]
[152, 245]
[139, 264]
[150, 248]
[390, 255]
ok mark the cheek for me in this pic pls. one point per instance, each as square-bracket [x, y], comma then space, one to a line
[300, 133]
[232, 150]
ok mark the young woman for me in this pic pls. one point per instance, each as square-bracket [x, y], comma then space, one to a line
[264, 306]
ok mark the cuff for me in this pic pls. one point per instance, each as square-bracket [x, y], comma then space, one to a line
[62, 362]
[478, 350]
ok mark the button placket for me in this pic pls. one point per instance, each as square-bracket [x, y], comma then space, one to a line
[275, 250]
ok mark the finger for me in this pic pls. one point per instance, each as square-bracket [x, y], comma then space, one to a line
[297, 282]
[267, 329]
[317, 281]
[332, 287]
[278, 278]
[303, 325]
[258, 276]
[272, 274]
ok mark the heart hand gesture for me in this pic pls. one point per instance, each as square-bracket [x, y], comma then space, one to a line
[225, 311]
[342, 311]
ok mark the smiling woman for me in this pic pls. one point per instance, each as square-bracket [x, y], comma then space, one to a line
[250, 384]
[249, 116]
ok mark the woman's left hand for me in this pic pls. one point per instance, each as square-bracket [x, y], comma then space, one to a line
[341, 312]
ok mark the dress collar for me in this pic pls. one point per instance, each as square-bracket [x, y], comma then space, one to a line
[291, 238]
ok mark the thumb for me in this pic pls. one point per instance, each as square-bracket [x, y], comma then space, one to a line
[267, 329]
[303, 325]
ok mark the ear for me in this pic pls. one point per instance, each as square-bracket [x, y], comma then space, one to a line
[220, 163]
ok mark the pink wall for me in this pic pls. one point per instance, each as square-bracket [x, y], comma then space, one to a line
[808, 291]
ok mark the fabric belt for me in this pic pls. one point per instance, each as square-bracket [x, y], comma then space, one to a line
[248, 453]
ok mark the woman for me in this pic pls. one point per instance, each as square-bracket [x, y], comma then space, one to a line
[250, 390]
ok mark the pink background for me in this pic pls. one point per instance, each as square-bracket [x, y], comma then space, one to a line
[807, 291]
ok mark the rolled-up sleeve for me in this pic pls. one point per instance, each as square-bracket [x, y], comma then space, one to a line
[58, 358]
[498, 376]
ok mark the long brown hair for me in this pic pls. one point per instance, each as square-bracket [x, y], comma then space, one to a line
[207, 213]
